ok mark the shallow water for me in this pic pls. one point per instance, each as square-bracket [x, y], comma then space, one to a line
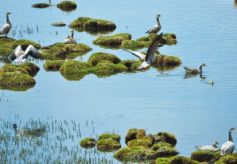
[196, 112]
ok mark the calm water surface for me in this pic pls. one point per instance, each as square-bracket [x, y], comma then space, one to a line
[196, 112]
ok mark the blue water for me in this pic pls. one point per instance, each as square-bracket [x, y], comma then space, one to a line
[196, 112]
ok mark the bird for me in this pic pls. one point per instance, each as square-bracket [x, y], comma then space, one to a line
[228, 147]
[5, 29]
[70, 39]
[212, 147]
[156, 28]
[30, 132]
[149, 57]
[19, 55]
[194, 71]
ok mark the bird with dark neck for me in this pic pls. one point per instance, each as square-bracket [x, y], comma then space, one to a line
[5, 29]
[156, 28]
[70, 39]
[228, 147]
[193, 71]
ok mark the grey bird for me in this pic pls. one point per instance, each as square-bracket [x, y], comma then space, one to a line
[5, 29]
[228, 147]
[149, 57]
[156, 28]
[194, 71]
[213, 147]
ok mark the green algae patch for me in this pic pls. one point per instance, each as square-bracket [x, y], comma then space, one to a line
[53, 65]
[205, 156]
[67, 5]
[170, 38]
[113, 41]
[74, 70]
[107, 68]
[165, 60]
[164, 149]
[132, 44]
[163, 160]
[132, 65]
[58, 24]
[92, 25]
[165, 137]
[99, 56]
[88, 143]
[61, 51]
[228, 159]
[107, 145]
[7, 45]
[16, 81]
[146, 143]
[114, 137]
[134, 133]
[41, 5]
[135, 154]
[182, 160]
[26, 68]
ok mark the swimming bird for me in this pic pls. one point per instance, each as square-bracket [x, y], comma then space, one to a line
[20, 55]
[194, 71]
[70, 39]
[29, 132]
[212, 147]
[149, 57]
[156, 28]
[228, 147]
[5, 29]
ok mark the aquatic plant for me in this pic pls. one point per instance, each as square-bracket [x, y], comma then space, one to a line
[40, 5]
[182, 160]
[132, 65]
[134, 133]
[146, 143]
[97, 57]
[92, 25]
[114, 137]
[114, 41]
[107, 145]
[165, 137]
[228, 159]
[88, 143]
[164, 149]
[67, 5]
[132, 44]
[53, 65]
[205, 156]
[163, 160]
[61, 51]
[166, 60]
[58, 24]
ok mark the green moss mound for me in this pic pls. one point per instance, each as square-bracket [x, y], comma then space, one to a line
[164, 149]
[146, 143]
[113, 41]
[135, 154]
[205, 156]
[165, 137]
[88, 143]
[134, 133]
[26, 68]
[67, 5]
[16, 81]
[74, 70]
[7, 45]
[107, 145]
[163, 160]
[114, 137]
[132, 44]
[165, 60]
[58, 24]
[92, 25]
[107, 68]
[182, 160]
[61, 51]
[99, 56]
[41, 5]
[228, 159]
[170, 39]
[53, 65]
[132, 65]
[33, 132]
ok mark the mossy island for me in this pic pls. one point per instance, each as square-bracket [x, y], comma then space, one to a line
[61, 51]
[41, 5]
[92, 25]
[53, 65]
[18, 77]
[88, 143]
[107, 145]
[67, 5]
[58, 24]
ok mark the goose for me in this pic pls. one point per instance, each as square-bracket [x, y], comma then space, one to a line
[30, 132]
[20, 55]
[194, 71]
[228, 147]
[149, 57]
[156, 28]
[5, 29]
[70, 39]
[212, 147]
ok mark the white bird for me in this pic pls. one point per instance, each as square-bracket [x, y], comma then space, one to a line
[156, 28]
[212, 147]
[149, 57]
[229, 146]
[70, 39]
[5, 29]
[19, 55]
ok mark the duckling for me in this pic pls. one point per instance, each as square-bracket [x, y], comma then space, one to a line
[213, 147]
[194, 71]
[70, 39]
